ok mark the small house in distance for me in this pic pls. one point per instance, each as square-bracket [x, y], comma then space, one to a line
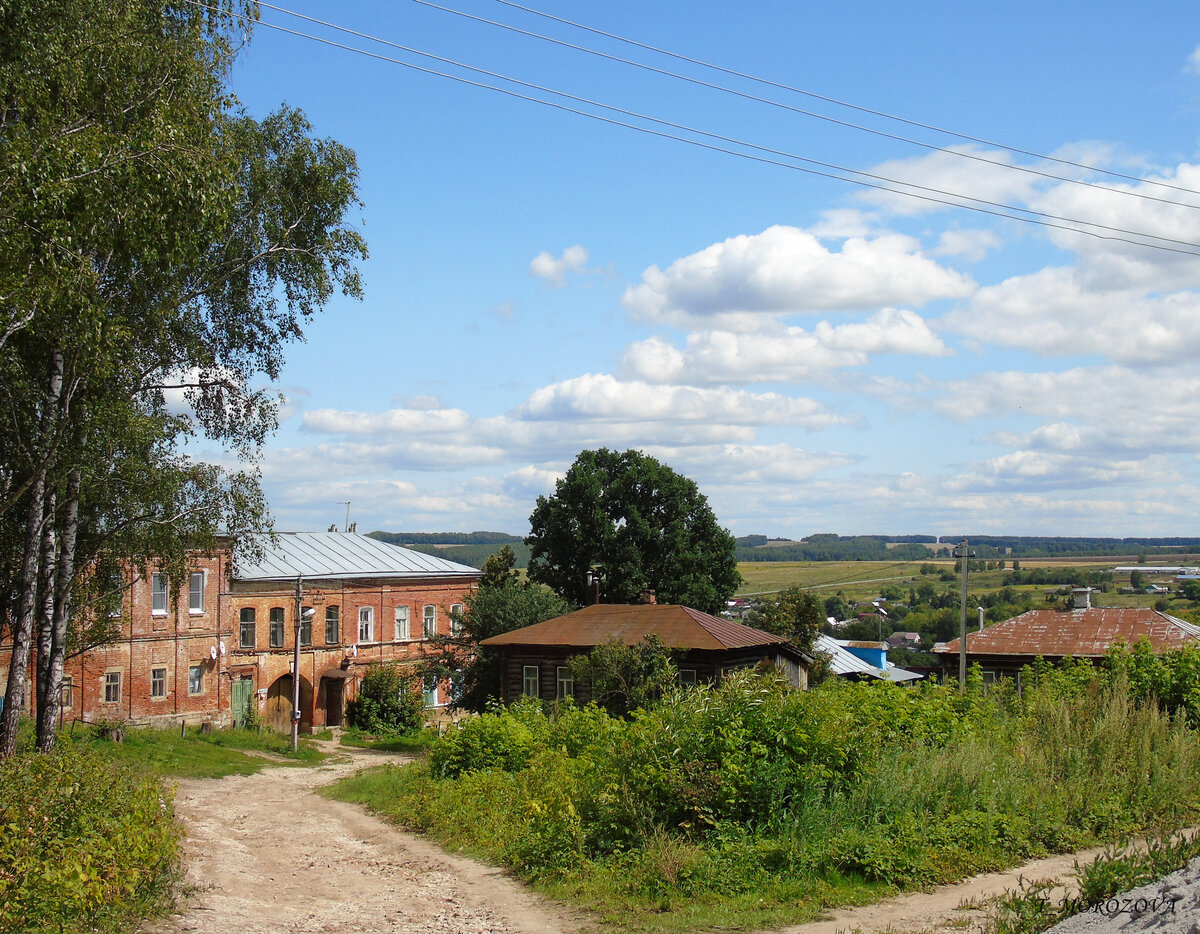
[1004, 649]
[534, 659]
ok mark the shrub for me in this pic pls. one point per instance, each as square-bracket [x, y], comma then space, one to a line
[84, 844]
[389, 703]
[499, 739]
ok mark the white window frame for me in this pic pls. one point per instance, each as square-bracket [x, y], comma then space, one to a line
[366, 624]
[195, 679]
[564, 682]
[306, 627]
[193, 593]
[253, 624]
[153, 672]
[336, 619]
[531, 674]
[429, 620]
[456, 626]
[160, 593]
[112, 687]
[276, 626]
[66, 692]
[403, 624]
[431, 693]
[687, 677]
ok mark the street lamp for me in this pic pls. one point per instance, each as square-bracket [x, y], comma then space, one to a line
[302, 613]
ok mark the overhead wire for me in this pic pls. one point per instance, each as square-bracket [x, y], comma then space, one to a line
[840, 103]
[934, 195]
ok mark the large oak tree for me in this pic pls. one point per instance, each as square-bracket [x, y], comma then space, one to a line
[639, 526]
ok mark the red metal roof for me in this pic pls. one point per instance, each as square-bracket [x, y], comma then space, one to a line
[1081, 633]
[679, 627]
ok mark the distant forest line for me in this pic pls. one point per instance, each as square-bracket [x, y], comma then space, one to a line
[474, 548]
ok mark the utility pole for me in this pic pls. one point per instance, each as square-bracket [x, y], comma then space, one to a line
[964, 553]
[296, 667]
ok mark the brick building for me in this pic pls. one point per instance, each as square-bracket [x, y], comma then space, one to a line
[224, 643]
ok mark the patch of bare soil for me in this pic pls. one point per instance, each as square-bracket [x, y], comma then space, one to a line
[265, 855]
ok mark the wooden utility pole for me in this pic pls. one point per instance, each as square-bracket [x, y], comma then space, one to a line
[963, 553]
[296, 667]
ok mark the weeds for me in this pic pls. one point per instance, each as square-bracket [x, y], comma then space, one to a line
[749, 795]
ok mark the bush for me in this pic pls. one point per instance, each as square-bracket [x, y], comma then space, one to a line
[500, 739]
[84, 844]
[389, 703]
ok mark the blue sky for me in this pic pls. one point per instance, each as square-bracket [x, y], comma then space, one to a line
[818, 356]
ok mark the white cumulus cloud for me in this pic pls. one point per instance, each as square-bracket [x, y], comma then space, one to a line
[545, 266]
[788, 271]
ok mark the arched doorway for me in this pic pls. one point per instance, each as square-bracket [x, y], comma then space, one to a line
[278, 712]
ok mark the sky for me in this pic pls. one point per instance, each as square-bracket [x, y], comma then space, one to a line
[819, 356]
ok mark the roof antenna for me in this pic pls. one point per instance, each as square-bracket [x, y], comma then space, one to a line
[345, 503]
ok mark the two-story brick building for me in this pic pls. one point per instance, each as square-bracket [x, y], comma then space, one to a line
[224, 644]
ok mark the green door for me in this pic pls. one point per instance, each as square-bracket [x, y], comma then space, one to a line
[241, 699]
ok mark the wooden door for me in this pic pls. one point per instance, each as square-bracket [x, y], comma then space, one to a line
[240, 699]
[333, 701]
[278, 713]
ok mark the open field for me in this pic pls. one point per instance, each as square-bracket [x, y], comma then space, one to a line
[862, 580]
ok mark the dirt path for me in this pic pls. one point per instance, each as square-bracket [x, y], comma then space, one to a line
[267, 857]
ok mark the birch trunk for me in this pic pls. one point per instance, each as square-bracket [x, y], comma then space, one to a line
[63, 588]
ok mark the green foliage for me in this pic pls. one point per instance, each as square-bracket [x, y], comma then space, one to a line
[794, 613]
[624, 678]
[745, 792]
[84, 845]
[502, 602]
[389, 703]
[641, 525]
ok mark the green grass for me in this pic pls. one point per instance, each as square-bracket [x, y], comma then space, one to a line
[200, 755]
[413, 745]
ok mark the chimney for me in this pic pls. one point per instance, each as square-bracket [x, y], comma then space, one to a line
[647, 597]
[981, 612]
[1083, 598]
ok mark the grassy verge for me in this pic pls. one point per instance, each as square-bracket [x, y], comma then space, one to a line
[196, 754]
[413, 744]
[748, 806]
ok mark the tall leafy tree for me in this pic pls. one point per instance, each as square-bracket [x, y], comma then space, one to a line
[503, 602]
[162, 248]
[795, 613]
[638, 525]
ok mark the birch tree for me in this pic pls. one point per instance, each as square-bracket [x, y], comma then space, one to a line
[161, 247]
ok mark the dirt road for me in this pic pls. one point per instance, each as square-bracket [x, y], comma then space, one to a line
[266, 856]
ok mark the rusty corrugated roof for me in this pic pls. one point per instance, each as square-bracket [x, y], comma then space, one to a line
[1081, 633]
[679, 627]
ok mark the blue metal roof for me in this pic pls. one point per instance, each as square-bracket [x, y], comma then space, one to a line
[341, 555]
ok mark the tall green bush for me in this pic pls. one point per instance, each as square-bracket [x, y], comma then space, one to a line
[389, 703]
[84, 844]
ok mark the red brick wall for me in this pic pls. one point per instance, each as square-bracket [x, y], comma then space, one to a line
[180, 638]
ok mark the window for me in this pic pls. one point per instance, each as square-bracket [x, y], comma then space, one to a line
[306, 618]
[366, 624]
[195, 679]
[431, 690]
[566, 683]
[430, 621]
[158, 682]
[456, 626]
[196, 592]
[112, 687]
[276, 627]
[158, 592]
[530, 686]
[113, 596]
[248, 637]
[66, 693]
[687, 677]
[402, 631]
[333, 633]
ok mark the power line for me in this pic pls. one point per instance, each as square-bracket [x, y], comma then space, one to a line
[933, 195]
[833, 100]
